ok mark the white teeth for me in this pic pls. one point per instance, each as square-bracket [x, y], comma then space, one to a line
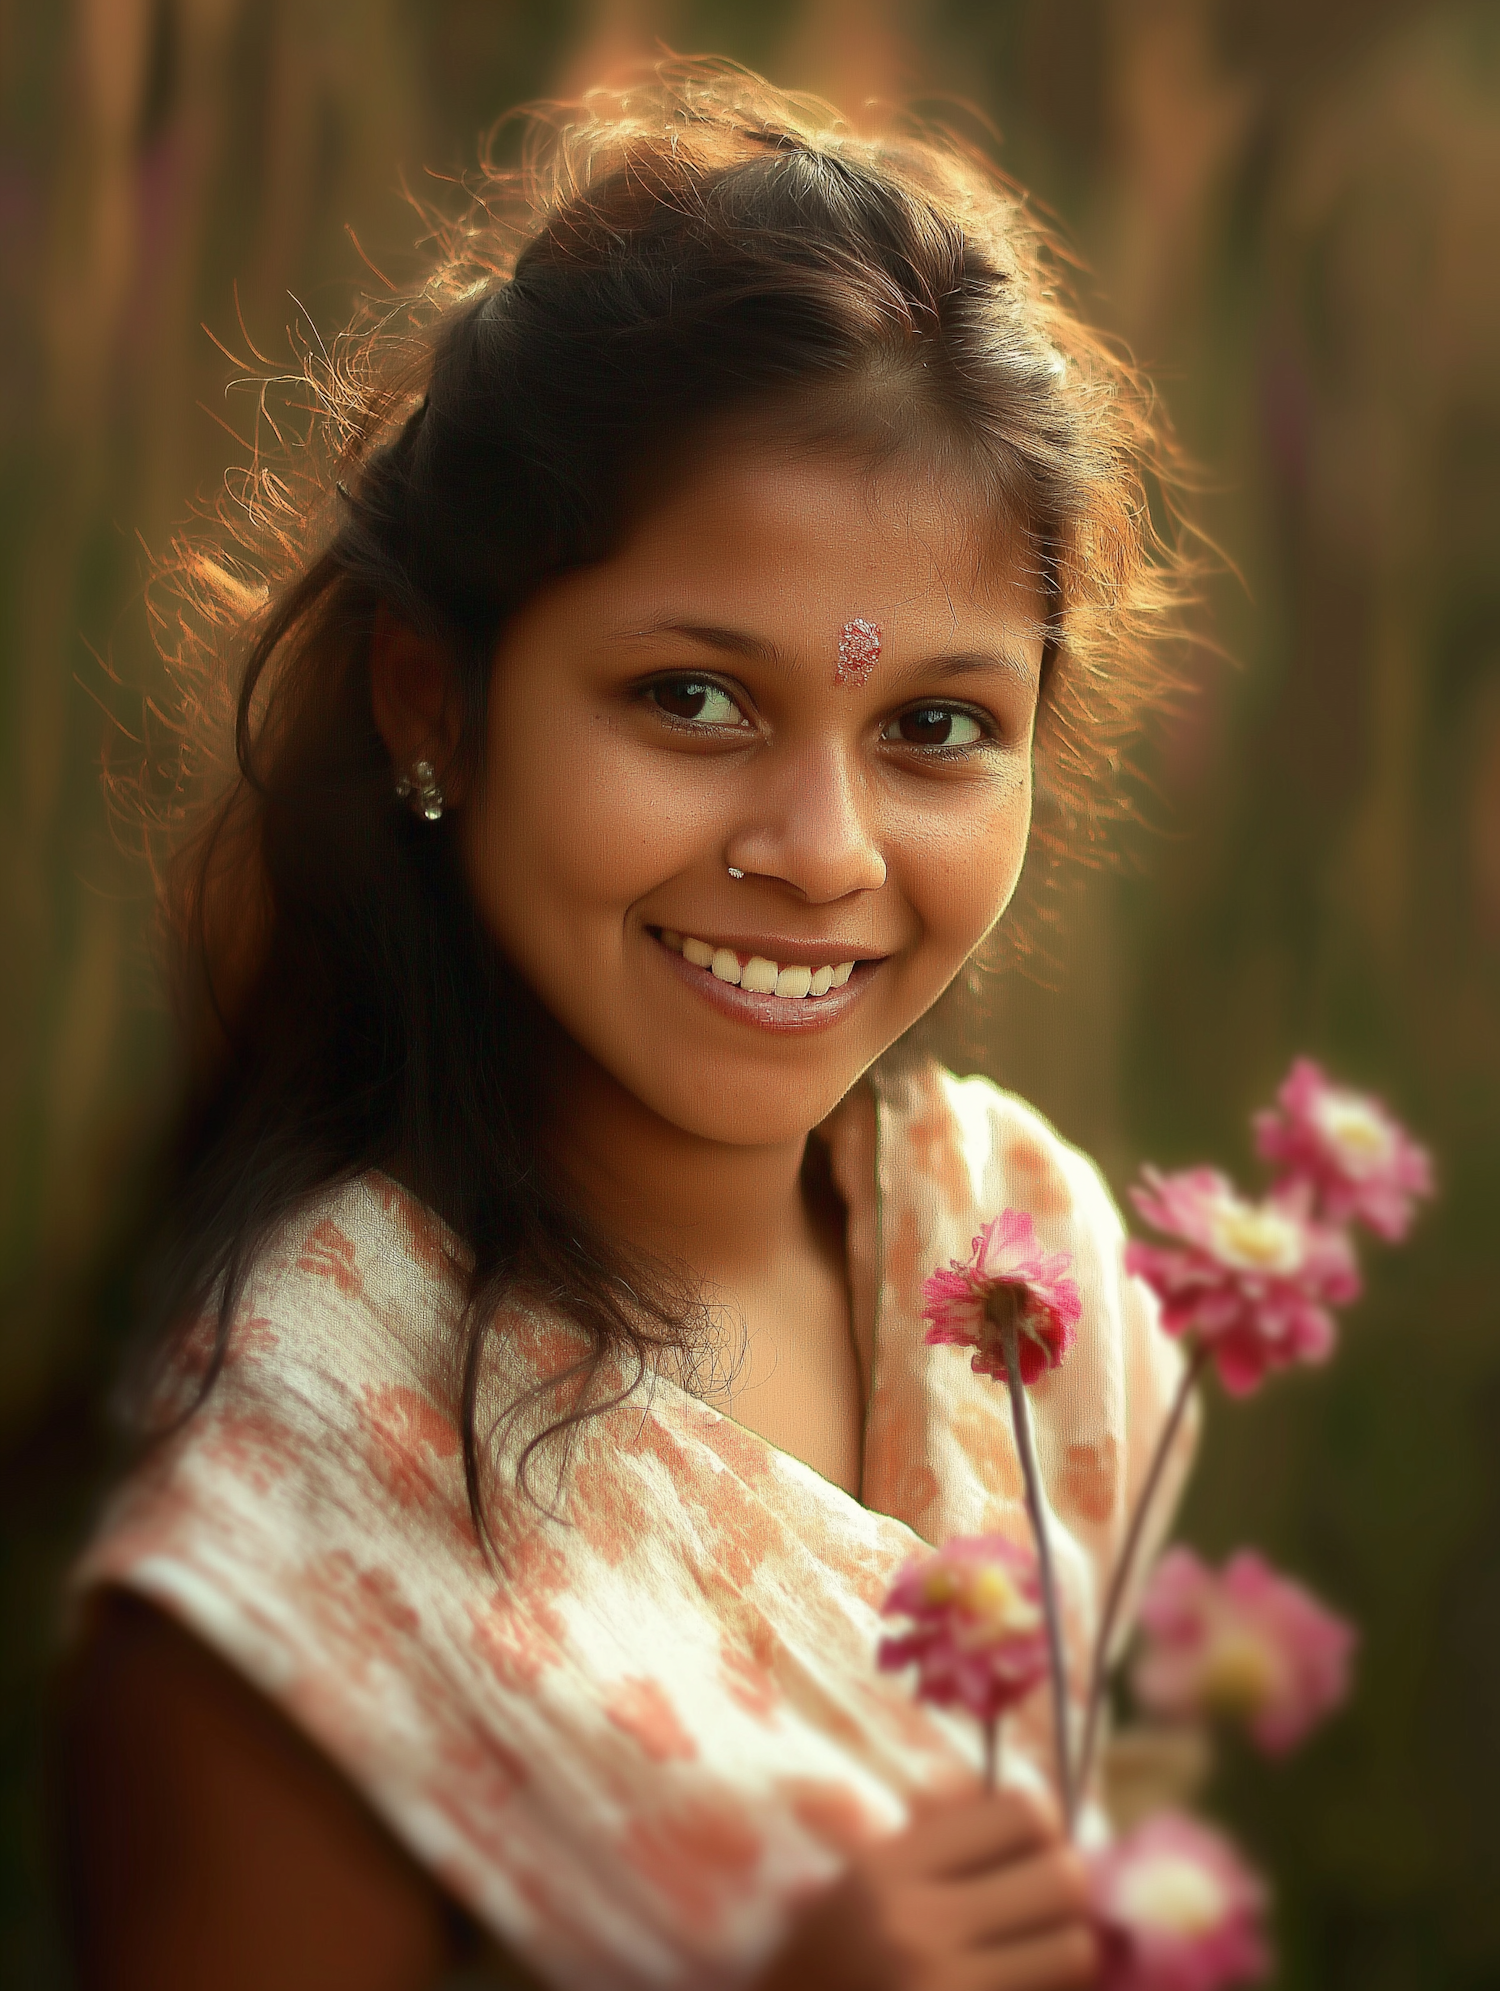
[758, 975]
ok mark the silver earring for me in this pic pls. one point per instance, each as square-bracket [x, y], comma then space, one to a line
[734, 873]
[421, 788]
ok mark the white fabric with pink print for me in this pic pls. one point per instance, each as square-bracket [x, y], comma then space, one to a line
[632, 1750]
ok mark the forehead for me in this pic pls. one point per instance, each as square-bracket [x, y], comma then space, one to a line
[800, 531]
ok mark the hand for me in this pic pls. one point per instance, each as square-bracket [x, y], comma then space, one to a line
[980, 1895]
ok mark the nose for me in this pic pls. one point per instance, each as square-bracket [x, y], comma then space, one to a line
[811, 828]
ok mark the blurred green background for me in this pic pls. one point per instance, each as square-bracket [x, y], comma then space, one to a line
[1291, 211]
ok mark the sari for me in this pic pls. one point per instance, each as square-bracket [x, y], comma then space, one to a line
[636, 1737]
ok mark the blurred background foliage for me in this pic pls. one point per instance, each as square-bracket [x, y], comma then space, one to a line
[1289, 209]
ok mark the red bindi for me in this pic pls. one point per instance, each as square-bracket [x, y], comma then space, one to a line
[859, 650]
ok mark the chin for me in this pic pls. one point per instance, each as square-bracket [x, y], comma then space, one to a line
[747, 1111]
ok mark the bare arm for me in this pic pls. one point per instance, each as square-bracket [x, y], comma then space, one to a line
[205, 1842]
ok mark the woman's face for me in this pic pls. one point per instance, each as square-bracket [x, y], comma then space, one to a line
[678, 710]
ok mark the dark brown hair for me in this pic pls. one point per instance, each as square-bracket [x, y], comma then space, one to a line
[668, 256]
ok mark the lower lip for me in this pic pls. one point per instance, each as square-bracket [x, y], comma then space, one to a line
[770, 1012]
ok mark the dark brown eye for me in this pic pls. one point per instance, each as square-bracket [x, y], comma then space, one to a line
[934, 726]
[696, 699]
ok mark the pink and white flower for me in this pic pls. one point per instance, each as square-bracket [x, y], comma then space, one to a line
[1005, 1256]
[978, 1638]
[1245, 1642]
[1177, 1910]
[1253, 1282]
[1360, 1162]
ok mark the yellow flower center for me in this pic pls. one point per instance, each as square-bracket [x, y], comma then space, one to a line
[1253, 1238]
[1172, 1892]
[1354, 1129]
[986, 1597]
[940, 1585]
[1239, 1674]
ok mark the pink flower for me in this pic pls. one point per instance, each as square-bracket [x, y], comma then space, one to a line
[1253, 1281]
[1177, 1910]
[978, 1638]
[1358, 1160]
[1246, 1642]
[1006, 1255]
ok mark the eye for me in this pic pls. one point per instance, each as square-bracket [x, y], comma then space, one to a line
[698, 701]
[935, 726]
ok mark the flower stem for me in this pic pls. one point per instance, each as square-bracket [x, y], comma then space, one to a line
[1057, 1664]
[1119, 1581]
[992, 1753]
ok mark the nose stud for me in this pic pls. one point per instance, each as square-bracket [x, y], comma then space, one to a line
[734, 872]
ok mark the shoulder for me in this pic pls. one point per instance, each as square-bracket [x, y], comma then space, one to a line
[259, 1620]
[358, 1281]
[984, 1148]
[285, 1517]
[365, 1243]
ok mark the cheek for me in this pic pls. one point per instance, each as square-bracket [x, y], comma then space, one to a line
[553, 848]
[964, 866]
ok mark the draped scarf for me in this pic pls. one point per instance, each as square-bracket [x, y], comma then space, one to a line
[634, 1740]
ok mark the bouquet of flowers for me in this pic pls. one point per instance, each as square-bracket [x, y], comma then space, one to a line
[1248, 1286]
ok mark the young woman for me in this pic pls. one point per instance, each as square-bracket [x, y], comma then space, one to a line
[632, 747]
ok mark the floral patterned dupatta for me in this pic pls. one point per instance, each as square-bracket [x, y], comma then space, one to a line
[634, 1748]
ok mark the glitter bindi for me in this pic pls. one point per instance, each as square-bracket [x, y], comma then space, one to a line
[859, 650]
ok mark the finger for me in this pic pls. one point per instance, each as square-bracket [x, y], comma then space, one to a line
[1026, 1895]
[972, 1834]
[1064, 1959]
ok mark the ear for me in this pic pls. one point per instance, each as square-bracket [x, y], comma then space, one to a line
[414, 699]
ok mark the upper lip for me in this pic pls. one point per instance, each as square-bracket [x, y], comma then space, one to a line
[787, 953]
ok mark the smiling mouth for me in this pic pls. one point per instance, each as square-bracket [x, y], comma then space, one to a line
[756, 974]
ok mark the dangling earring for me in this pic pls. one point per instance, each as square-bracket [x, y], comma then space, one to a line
[421, 788]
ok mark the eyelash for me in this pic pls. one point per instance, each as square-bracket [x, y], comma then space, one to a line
[935, 750]
[692, 681]
[944, 749]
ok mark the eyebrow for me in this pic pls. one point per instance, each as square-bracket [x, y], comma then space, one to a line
[959, 662]
[743, 643]
[731, 642]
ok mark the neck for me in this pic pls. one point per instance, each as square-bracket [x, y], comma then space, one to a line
[718, 1208]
